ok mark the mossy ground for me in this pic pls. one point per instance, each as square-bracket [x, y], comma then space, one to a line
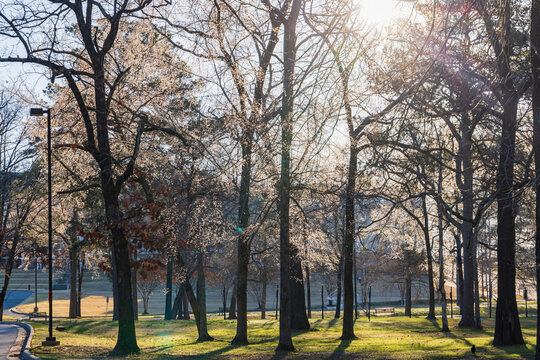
[396, 337]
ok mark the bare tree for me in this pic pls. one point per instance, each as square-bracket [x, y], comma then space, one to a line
[19, 186]
[39, 29]
[535, 66]
[287, 113]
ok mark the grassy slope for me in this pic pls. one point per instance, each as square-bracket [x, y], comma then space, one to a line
[97, 287]
[381, 338]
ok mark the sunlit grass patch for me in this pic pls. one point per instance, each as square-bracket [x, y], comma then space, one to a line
[395, 337]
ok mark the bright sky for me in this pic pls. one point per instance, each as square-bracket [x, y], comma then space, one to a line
[381, 13]
[28, 79]
[377, 13]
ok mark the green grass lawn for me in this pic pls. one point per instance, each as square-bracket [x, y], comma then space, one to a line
[395, 337]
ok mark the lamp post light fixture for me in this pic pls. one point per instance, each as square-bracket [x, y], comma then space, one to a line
[51, 340]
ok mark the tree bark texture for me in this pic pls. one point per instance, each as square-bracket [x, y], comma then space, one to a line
[134, 294]
[429, 256]
[232, 307]
[466, 189]
[9, 268]
[243, 240]
[168, 289]
[348, 246]
[201, 300]
[80, 280]
[176, 311]
[440, 228]
[507, 325]
[287, 114]
[408, 294]
[535, 65]
[459, 271]
[298, 314]
[308, 284]
[337, 315]
[74, 267]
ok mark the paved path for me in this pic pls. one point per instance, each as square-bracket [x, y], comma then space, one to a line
[8, 337]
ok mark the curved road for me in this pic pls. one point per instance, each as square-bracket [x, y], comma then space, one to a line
[8, 332]
[8, 336]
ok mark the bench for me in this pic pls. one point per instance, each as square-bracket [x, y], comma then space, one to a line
[384, 311]
[37, 314]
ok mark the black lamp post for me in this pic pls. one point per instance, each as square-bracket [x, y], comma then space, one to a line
[36, 309]
[51, 340]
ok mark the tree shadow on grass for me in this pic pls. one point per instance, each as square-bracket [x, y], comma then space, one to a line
[279, 355]
[340, 349]
[268, 324]
[70, 352]
[158, 349]
[460, 329]
[522, 350]
[483, 350]
[216, 352]
[331, 323]
[300, 332]
[230, 347]
[84, 326]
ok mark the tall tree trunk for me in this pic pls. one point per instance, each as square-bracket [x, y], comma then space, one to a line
[114, 285]
[201, 300]
[126, 342]
[224, 301]
[9, 268]
[507, 326]
[298, 314]
[337, 315]
[408, 294]
[74, 266]
[264, 286]
[459, 271]
[482, 276]
[467, 285]
[168, 288]
[348, 246]
[257, 105]
[308, 284]
[185, 302]
[287, 113]
[355, 278]
[442, 290]
[232, 307]
[535, 65]
[490, 280]
[176, 311]
[134, 294]
[145, 303]
[193, 301]
[179, 315]
[467, 296]
[243, 240]
[81, 265]
[477, 320]
[429, 255]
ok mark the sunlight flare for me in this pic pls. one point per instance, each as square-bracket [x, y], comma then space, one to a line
[380, 13]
